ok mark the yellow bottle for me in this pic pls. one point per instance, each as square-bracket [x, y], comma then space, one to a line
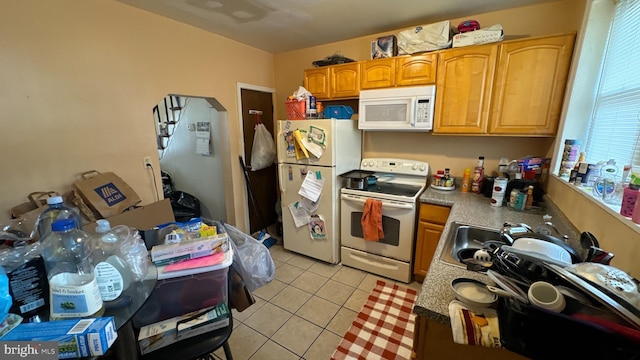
[529, 202]
[466, 180]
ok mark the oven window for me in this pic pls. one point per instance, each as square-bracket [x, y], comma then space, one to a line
[390, 226]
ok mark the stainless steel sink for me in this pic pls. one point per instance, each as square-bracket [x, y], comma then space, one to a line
[463, 236]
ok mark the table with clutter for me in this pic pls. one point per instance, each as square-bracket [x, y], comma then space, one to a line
[142, 294]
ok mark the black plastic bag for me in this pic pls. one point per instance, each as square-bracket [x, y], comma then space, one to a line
[185, 206]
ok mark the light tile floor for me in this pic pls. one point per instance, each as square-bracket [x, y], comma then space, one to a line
[304, 312]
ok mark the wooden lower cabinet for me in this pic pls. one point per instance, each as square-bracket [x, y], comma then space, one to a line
[430, 226]
[434, 340]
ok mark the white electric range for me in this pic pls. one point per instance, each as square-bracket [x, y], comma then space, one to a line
[399, 184]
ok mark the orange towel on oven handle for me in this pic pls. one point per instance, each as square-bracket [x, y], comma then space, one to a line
[372, 220]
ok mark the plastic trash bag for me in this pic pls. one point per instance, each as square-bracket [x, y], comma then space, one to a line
[184, 205]
[252, 259]
[263, 153]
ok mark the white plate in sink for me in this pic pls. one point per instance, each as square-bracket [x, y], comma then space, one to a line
[539, 250]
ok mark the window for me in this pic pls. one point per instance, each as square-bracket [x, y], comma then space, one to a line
[615, 121]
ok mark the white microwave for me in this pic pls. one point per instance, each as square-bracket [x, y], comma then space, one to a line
[397, 109]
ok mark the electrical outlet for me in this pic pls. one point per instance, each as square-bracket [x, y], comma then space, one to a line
[147, 161]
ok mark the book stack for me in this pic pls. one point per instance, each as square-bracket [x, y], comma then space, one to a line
[155, 336]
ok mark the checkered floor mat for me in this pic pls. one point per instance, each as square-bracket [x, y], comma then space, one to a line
[384, 327]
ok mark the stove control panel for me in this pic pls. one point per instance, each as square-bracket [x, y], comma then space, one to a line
[398, 166]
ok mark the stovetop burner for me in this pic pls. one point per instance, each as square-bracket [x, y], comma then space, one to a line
[393, 189]
[397, 179]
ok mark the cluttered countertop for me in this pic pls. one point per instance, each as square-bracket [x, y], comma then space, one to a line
[473, 209]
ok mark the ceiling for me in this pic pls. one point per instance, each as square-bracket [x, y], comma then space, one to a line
[284, 25]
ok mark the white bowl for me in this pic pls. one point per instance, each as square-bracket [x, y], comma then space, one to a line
[540, 250]
[473, 293]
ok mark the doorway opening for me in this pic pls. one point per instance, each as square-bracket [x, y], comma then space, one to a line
[262, 186]
[193, 147]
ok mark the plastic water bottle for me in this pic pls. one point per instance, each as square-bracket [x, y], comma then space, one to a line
[57, 210]
[112, 273]
[73, 289]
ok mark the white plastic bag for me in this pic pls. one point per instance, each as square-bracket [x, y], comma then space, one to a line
[252, 258]
[425, 38]
[263, 153]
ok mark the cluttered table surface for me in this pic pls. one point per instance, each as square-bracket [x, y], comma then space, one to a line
[472, 209]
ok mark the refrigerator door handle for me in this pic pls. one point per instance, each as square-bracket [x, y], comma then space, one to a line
[280, 182]
[360, 200]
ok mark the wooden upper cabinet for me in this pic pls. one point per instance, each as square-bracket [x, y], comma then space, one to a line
[529, 86]
[345, 80]
[416, 70]
[464, 83]
[316, 81]
[378, 73]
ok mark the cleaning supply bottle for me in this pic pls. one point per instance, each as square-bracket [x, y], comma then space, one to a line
[529, 203]
[544, 228]
[478, 175]
[466, 180]
[604, 185]
[73, 290]
[112, 272]
[55, 211]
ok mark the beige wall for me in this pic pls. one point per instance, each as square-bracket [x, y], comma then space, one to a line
[454, 152]
[614, 233]
[79, 80]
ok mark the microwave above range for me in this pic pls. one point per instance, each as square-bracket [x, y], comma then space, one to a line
[397, 109]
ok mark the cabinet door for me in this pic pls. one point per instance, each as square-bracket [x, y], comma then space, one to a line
[416, 70]
[427, 241]
[378, 73]
[529, 88]
[317, 82]
[345, 80]
[463, 94]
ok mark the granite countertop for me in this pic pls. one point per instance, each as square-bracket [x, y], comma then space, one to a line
[473, 209]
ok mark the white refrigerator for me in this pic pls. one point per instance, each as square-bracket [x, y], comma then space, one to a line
[340, 147]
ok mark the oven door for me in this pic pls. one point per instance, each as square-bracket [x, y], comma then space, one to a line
[398, 224]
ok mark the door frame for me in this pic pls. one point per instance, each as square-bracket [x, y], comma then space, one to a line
[241, 86]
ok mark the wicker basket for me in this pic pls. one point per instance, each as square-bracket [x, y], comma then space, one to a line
[295, 109]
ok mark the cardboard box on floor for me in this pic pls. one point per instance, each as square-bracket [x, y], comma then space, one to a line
[144, 218]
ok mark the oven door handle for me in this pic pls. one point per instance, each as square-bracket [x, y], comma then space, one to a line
[384, 203]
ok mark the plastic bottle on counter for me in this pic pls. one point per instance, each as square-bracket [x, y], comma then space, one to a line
[466, 180]
[544, 228]
[73, 290]
[629, 198]
[529, 203]
[478, 174]
[635, 217]
[112, 272]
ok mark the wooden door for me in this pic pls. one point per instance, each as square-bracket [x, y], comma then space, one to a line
[316, 81]
[262, 184]
[378, 73]
[430, 227]
[463, 92]
[345, 80]
[428, 236]
[416, 70]
[529, 88]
